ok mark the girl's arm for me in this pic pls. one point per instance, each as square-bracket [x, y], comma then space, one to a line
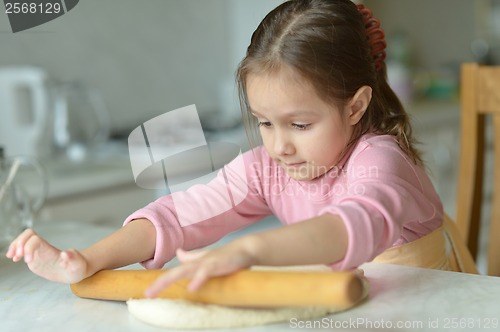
[320, 240]
[133, 243]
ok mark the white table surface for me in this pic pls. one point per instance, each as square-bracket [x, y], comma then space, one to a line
[401, 298]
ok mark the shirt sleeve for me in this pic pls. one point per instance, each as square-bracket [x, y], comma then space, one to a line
[205, 213]
[385, 192]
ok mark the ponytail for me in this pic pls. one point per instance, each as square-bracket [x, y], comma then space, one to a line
[389, 116]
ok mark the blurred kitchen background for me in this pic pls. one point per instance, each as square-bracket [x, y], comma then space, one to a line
[108, 66]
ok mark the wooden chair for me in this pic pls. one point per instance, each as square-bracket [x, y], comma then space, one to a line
[480, 97]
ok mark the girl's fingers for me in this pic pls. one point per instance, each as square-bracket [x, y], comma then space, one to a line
[200, 277]
[187, 256]
[199, 266]
[31, 245]
[10, 251]
[16, 248]
[188, 268]
[166, 280]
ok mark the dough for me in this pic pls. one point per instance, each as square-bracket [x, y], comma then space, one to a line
[181, 314]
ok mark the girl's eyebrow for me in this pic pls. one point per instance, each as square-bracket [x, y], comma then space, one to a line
[254, 112]
[289, 115]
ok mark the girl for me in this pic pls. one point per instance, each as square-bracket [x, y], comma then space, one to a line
[337, 167]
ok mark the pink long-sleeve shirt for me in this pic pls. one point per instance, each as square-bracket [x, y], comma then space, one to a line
[383, 198]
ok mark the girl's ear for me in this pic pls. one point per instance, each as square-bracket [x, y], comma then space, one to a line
[357, 106]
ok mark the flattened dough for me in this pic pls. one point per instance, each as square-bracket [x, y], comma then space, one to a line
[180, 314]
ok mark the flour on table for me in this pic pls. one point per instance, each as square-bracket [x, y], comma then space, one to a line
[181, 314]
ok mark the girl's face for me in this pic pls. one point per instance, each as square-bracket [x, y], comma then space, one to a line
[304, 134]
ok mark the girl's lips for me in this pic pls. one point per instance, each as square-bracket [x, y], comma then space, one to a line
[294, 164]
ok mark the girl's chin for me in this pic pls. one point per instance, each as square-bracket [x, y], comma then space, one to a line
[304, 175]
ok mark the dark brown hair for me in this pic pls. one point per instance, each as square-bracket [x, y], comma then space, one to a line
[325, 43]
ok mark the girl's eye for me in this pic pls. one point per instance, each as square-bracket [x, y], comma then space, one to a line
[300, 126]
[265, 124]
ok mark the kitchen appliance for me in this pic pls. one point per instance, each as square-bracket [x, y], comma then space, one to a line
[42, 117]
[24, 111]
[80, 119]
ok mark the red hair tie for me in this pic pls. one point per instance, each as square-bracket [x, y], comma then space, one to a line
[375, 36]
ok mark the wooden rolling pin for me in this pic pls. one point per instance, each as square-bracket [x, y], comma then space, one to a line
[244, 288]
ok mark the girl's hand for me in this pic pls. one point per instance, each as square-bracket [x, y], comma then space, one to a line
[46, 260]
[199, 266]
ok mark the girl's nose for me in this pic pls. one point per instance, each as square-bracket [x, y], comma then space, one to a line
[283, 145]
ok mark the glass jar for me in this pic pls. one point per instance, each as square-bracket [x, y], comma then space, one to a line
[23, 190]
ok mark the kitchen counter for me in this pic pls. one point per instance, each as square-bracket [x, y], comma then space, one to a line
[401, 298]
